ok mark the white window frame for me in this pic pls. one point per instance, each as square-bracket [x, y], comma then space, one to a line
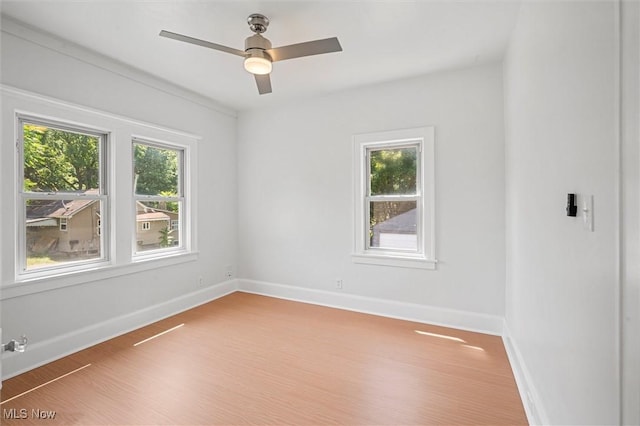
[72, 266]
[183, 154]
[63, 224]
[116, 226]
[424, 139]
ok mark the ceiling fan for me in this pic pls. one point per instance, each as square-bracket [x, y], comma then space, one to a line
[259, 55]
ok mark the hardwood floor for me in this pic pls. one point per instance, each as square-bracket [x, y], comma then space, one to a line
[248, 359]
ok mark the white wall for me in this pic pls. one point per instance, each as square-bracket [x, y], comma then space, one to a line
[296, 193]
[630, 234]
[561, 137]
[47, 66]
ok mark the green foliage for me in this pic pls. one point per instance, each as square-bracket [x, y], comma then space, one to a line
[38, 260]
[170, 206]
[156, 170]
[165, 237]
[393, 171]
[57, 160]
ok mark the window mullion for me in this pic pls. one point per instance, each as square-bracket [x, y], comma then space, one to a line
[392, 198]
[151, 198]
[60, 196]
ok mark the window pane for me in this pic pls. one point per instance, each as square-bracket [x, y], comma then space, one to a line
[62, 231]
[155, 170]
[59, 160]
[393, 171]
[393, 225]
[157, 225]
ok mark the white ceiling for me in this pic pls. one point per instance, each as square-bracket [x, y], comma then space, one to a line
[381, 40]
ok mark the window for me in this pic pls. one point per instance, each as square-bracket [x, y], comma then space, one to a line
[158, 170]
[394, 209]
[78, 209]
[62, 190]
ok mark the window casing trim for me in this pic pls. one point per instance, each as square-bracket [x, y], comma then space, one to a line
[18, 102]
[104, 145]
[423, 139]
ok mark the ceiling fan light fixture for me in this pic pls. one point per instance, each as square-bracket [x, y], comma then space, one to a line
[258, 63]
[258, 54]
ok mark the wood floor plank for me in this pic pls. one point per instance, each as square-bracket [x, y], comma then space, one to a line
[248, 359]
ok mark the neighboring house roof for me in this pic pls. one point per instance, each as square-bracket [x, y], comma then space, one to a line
[404, 223]
[167, 212]
[42, 221]
[148, 217]
[44, 212]
[142, 211]
[56, 208]
[141, 207]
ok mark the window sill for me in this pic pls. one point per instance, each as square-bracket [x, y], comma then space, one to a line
[24, 286]
[171, 253]
[395, 260]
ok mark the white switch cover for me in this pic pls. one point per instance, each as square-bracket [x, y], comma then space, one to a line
[587, 212]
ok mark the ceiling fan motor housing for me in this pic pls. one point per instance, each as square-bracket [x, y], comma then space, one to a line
[256, 41]
[256, 45]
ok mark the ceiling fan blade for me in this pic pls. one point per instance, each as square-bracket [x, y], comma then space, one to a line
[203, 43]
[308, 48]
[264, 83]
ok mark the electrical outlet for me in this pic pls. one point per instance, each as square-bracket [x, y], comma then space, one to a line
[339, 284]
[200, 280]
[228, 272]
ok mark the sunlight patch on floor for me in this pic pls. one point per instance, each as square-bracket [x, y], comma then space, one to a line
[440, 336]
[477, 348]
[158, 335]
[45, 384]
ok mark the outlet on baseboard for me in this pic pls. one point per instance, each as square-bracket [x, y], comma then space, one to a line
[228, 272]
[339, 284]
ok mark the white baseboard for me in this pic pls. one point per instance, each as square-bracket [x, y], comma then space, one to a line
[40, 353]
[536, 414]
[55, 348]
[482, 323]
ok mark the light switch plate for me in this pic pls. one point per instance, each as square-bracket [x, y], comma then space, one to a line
[587, 212]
